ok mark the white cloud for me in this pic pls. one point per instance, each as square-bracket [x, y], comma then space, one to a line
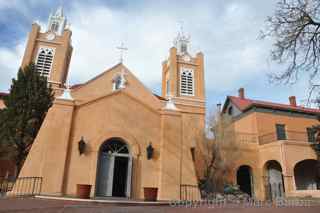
[226, 33]
[10, 60]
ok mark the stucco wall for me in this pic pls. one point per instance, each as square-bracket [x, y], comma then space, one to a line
[267, 121]
[110, 117]
[288, 153]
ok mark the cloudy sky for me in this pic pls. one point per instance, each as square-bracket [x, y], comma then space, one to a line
[225, 31]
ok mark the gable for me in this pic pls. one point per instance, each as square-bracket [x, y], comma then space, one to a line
[116, 112]
[231, 109]
[102, 85]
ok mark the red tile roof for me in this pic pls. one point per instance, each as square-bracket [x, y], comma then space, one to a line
[245, 104]
[2, 94]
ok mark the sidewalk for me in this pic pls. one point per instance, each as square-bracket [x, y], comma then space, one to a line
[36, 205]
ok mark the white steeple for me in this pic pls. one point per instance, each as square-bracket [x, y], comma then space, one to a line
[59, 12]
[57, 22]
[181, 42]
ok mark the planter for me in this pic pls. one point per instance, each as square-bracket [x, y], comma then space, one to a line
[150, 193]
[83, 191]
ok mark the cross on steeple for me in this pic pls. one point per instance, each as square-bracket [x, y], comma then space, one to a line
[180, 24]
[182, 40]
[122, 49]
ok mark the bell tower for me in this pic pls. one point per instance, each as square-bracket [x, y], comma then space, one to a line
[182, 73]
[50, 50]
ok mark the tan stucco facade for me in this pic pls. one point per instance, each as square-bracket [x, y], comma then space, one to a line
[98, 112]
[259, 146]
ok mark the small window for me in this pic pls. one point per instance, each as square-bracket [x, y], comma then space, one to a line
[311, 135]
[117, 82]
[230, 110]
[186, 82]
[281, 132]
[193, 154]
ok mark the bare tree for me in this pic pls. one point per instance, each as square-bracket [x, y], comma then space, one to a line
[220, 153]
[295, 26]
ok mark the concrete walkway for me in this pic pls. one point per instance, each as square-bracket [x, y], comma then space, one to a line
[36, 205]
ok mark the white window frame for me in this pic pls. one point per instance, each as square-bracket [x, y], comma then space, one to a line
[115, 82]
[182, 73]
[41, 48]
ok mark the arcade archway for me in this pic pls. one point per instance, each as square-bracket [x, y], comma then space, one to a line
[245, 179]
[274, 180]
[305, 175]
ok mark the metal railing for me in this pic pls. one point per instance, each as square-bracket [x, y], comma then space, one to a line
[290, 135]
[252, 138]
[240, 137]
[22, 186]
[245, 137]
[189, 192]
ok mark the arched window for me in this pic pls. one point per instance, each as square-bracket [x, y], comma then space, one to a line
[119, 81]
[44, 61]
[186, 82]
[115, 146]
[54, 26]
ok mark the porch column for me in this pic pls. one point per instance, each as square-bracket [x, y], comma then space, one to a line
[289, 186]
[258, 183]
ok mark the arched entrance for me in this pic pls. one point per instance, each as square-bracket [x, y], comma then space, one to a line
[274, 180]
[114, 169]
[245, 179]
[305, 175]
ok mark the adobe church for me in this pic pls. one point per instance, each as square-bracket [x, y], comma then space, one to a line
[112, 132]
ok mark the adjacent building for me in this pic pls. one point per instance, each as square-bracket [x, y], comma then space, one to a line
[277, 159]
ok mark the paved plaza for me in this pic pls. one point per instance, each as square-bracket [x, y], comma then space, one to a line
[34, 205]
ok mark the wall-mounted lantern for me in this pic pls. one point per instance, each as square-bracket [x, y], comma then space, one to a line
[150, 151]
[82, 146]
